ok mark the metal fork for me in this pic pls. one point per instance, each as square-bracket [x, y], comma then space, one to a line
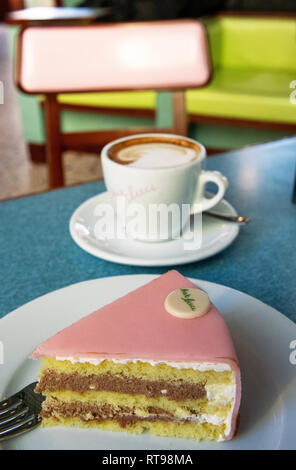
[20, 412]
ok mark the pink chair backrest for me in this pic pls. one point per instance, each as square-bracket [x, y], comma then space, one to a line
[160, 55]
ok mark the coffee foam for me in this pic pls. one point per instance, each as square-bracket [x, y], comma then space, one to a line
[154, 155]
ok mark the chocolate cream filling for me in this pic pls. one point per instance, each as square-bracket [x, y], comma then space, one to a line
[123, 415]
[177, 390]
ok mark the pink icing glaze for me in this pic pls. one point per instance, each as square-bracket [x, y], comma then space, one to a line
[137, 326]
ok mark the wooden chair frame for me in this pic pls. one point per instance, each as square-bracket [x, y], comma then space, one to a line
[92, 141]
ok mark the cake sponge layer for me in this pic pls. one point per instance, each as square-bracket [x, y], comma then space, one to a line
[194, 431]
[139, 369]
[140, 402]
[138, 379]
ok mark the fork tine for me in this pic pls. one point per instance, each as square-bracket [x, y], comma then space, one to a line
[19, 425]
[17, 399]
[25, 428]
[13, 415]
[12, 403]
[20, 412]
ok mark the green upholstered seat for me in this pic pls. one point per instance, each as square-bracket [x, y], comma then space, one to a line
[254, 62]
[232, 93]
[127, 99]
[244, 94]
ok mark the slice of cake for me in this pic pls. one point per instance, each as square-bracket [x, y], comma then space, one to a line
[160, 358]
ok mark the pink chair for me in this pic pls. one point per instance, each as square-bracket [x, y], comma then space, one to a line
[161, 55]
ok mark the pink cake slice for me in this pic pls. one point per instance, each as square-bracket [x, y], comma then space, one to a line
[173, 376]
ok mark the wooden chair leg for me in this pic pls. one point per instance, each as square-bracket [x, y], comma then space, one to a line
[179, 113]
[53, 142]
[37, 152]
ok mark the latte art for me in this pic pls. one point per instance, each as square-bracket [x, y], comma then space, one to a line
[155, 153]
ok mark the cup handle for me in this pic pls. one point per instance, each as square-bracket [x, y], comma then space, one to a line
[201, 203]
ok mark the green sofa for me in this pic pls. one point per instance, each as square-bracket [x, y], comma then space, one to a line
[253, 64]
[247, 100]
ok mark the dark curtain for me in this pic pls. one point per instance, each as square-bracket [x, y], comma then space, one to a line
[133, 10]
[261, 5]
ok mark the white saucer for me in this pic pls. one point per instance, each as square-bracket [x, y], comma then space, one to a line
[216, 235]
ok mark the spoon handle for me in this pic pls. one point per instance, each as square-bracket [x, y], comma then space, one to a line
[230, 218]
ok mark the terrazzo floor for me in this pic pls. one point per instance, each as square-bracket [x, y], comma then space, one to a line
[18, 175]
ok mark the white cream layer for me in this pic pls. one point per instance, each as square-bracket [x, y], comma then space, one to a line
[221, 394]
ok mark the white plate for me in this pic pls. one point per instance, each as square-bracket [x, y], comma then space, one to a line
[262, 338]
[216, 235]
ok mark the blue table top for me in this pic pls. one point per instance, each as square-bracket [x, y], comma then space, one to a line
[37, 254]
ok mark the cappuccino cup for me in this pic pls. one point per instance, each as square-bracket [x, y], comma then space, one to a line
[152, 176]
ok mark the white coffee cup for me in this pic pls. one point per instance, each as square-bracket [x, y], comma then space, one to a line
[180, 186]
